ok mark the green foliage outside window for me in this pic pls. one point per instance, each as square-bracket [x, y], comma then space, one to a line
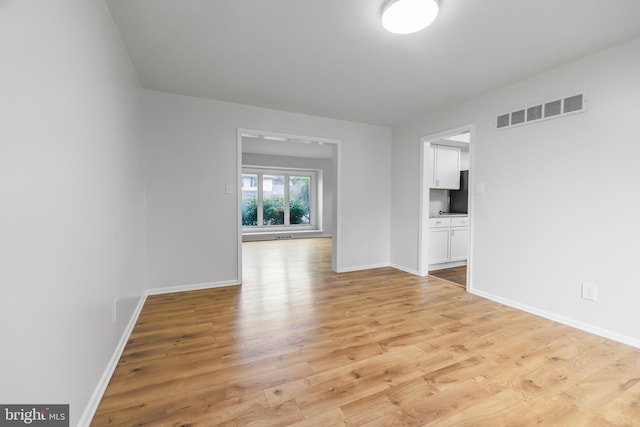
[299, 211]
[250, 211]
[273, 213]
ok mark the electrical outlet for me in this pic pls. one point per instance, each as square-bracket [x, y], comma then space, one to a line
[589, 291]
[115, 310]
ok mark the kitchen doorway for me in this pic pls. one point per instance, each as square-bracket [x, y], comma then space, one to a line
[446, 204]
[455, 275]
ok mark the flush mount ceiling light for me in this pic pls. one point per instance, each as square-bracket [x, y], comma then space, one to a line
[408, 16]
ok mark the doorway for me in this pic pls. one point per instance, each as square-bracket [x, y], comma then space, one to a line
[288, 189]
[446, 204]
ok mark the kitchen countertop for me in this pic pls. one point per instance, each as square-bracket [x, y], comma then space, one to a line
[444, 215]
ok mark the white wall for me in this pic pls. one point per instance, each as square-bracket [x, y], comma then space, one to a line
[71, 191]
[191, 153]
[544, 224]
[438, 201]
[324, 165]
[465, 160]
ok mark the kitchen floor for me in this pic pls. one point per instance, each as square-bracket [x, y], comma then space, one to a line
[457, 275]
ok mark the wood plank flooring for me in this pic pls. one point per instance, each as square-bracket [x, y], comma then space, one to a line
[457, 275]
[300, 345]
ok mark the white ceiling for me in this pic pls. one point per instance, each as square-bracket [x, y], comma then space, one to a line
[332, 58]
[289, 148]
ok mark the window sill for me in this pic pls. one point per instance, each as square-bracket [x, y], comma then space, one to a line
[283, 230]
[281, 234]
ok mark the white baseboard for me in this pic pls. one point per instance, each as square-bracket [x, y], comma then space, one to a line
[362, 267]
[405, 269]
[194, 287]
[96, 397]
[605, 333]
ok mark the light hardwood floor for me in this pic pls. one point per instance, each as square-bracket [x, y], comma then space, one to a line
[300, 345]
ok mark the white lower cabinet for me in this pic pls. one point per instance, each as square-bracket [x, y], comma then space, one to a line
[448, 239]
[459, 243]
[438, 245]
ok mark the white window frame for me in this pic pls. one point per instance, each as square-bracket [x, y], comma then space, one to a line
[286, 172]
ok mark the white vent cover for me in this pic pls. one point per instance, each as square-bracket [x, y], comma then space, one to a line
[546, 110]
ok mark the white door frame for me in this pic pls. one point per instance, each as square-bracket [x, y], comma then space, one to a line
[425, 184]
[336, 232]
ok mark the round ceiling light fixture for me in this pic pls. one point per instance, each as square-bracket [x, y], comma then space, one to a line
[408, 16]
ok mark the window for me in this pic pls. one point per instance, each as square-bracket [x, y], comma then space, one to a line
[249, 199]
[299, 200]
[273, 198]
[279, 199]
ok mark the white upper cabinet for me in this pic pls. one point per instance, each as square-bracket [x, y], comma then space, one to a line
[446, 167]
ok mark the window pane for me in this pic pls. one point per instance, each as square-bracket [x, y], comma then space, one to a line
[273, 199]
[249, 199]
[299, 212]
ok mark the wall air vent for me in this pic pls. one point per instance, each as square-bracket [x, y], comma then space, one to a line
[534, 113]
[517, 117]
[553, 108]
[573, 103]
[503, 121]
[546, 110]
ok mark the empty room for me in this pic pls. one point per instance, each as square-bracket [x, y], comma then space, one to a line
[319, 213]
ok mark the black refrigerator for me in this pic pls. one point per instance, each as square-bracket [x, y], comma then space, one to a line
[459, 199]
